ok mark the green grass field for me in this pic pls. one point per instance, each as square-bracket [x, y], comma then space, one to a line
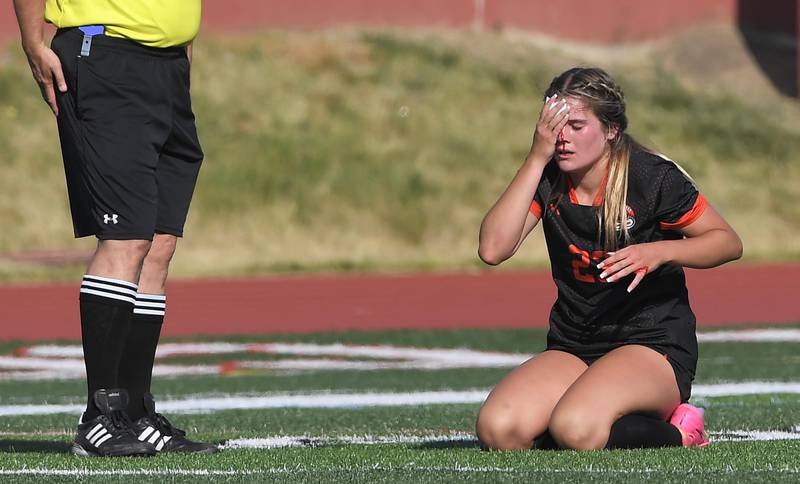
[399, 439]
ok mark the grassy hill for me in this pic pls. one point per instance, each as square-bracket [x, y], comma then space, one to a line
[366, 150]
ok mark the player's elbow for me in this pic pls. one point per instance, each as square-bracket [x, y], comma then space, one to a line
[490, 254]
[737, 248]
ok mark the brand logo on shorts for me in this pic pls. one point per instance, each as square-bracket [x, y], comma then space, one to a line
[110, 218]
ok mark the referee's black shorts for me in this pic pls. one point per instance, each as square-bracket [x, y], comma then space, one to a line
[128, 137]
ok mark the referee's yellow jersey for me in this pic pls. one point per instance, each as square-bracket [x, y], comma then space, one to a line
[156, 23]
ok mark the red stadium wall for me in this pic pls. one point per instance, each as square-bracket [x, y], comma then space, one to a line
[608, 22]
[585, 20]
[319, 14]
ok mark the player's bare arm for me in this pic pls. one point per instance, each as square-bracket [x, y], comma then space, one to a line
[45, 66]
[509, 221]
[709, 242]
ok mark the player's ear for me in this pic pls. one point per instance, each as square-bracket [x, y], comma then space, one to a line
[612, 132]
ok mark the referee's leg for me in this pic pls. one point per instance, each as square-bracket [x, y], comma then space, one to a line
[136, 370]
[108, 293]
[119, 259]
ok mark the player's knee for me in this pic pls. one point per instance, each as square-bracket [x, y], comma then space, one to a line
[137, 250]
[499, 429]
[128, 252]
[162, 250]
[578, 429]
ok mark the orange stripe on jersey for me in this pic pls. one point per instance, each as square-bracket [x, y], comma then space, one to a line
[536, 209]
[598, 197]
[573, 197]
[699, 207]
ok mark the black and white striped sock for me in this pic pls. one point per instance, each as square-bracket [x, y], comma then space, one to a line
[96, 287]
[151, 305]
[106, 305]
[136, 369]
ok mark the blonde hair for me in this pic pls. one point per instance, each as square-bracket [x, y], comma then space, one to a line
[605, 98]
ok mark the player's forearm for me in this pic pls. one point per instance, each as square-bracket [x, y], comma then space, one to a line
[503, 225]
[30, 17]
[713, 248]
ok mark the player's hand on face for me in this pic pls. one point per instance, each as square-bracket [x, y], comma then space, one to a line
[639, 259]
[47, 72]
[552, 119]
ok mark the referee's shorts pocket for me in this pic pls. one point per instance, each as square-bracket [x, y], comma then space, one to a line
[79, 79]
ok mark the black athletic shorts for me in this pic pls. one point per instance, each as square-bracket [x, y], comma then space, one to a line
[128, 136]
[683, 376]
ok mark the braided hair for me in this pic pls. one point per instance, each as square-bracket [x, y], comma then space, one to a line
[605, 99]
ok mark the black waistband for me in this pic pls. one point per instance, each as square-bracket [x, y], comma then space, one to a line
[125, 45]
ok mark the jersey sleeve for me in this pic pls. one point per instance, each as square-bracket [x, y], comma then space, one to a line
[543, 190]
[679, 203]
[536, 205]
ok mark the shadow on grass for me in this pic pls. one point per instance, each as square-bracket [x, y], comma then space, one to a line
[543, 442]
[449, 444]
[11, 446]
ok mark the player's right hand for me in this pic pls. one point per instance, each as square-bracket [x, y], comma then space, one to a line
[552, 119]
[47, 72]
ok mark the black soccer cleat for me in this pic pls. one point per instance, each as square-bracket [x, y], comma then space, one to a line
[155, 429]
[109, 434]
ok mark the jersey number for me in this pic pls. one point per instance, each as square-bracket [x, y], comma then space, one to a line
[581, 261]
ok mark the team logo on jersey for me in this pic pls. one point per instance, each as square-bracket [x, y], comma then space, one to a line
[110, 218]
[631, 221]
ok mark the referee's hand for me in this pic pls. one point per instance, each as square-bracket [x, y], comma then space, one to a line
[46, 69]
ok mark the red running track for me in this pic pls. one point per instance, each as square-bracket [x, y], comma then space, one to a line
[492, 299]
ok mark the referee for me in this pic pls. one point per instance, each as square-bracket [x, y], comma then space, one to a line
[117, 78]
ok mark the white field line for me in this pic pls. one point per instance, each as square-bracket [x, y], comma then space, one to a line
[39, 375]
[77, 365]
[384, 352]
[200, 404]
[26, 363]
[774, 335]
[413, 467]
[328, 364]
[140, 472]
[51, 362]
[73, 372]
[744, 388]
[65, 362]
[284, 441]
[751, 336]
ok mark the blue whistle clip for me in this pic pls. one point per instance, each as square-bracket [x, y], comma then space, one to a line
[89, 31]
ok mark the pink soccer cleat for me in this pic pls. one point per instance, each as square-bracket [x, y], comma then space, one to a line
[689, 420]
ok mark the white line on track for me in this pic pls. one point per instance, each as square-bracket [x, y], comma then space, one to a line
[200, 404]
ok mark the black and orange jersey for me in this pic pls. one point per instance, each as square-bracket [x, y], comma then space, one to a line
[593, 314]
